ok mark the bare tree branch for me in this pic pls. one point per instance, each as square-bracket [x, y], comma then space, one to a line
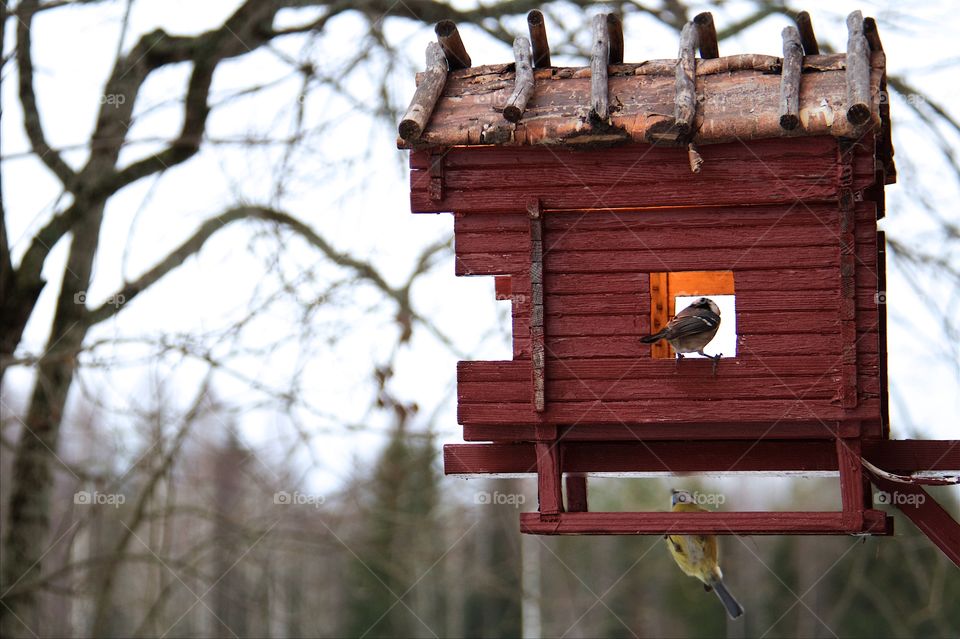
[28, 99]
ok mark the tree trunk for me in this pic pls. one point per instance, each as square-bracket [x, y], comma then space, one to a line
[28, 523]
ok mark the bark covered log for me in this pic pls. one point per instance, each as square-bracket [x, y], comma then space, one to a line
[807, 37]
[707, 36]
[449, 38]
[743, 102]
[615, 35]
[599, 59]
[858, 71]
[538, 39]
[524, 86]
[425, 98]
[790, 79]
[686, 93]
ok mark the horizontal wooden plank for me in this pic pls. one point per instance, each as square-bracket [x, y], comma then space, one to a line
[875, 522]
[514, 159]
[501, 222]
[700, 388]
[757, 345]
[648, 457]
[663, 411]
[665, 220]
[727, 190]
[558, 347]
[492, 264]
[900, 457]
[747, 239]
[750, 431]
[743, 367]
[562, 284]
[687, 259]
[586, 325]
[597, 304]
[799, 279]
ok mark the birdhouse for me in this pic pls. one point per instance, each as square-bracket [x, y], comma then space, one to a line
[602, 198]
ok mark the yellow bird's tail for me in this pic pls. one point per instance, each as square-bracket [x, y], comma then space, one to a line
[734, 609]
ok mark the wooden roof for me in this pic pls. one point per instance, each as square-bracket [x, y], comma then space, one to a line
[673, 102]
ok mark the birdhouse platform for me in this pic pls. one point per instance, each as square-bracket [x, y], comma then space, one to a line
[597, 196]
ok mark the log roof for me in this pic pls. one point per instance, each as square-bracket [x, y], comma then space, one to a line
[744, 96]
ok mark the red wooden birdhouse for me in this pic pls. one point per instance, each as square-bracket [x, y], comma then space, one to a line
[598, 196]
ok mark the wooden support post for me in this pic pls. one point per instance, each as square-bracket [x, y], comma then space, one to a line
[453, 49]
[615, 37]
[846, 233]
[924, 511]
[686, 90]
[549, 472]
[858, 71]
[807, 37]
[599, 58]
[523, 88]
[707, 35]
[851, 481]
[871, 34]
[576, 492]
[659, 312]
[881, 300]
[537, 336]
[790, 79]
[425, 97]
[538, 38]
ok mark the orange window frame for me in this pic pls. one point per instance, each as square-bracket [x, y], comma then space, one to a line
[664, 289]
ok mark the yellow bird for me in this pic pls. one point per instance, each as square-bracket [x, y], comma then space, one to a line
[697, 555]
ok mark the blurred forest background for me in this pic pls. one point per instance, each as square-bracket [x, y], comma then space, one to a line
[227, 349]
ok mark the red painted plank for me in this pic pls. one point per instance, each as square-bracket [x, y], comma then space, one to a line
[906, 456]
[620, 262]
[636, 324]
[688, 260]
[761, 430]
[721, 523]
[900, 456]
[563, 284]
[492, 264]
[512, 158]
[598, 304]
[645, 239]
[744, 366]
[663, 411]
[492, 223]
[809, 387]
[647, 457]
[734, 185]
[665, 220]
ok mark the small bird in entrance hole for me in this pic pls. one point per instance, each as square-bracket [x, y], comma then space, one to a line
[691, 330]
[697, 554]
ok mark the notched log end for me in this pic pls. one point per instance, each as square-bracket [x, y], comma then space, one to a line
[858, 114]
[789, 122]
[511, 113]
[409, 130]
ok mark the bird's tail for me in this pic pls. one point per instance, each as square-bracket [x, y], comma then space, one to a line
[656, 337]
[734, 609]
